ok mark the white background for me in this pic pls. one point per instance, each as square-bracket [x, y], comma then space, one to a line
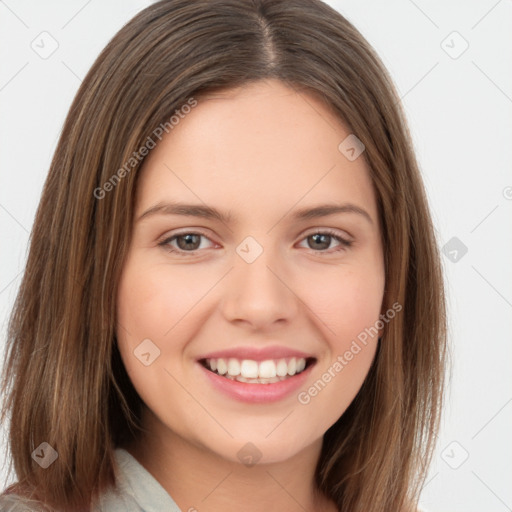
[460, 115]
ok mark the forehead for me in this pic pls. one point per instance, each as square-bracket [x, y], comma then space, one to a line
[260, 146]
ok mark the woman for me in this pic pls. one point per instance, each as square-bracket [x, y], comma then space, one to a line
[257, 370]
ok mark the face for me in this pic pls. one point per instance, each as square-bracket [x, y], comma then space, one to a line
[260, 290]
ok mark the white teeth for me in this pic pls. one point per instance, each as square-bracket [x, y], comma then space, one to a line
[233, 367]
[249, 369]
[222, 367]
[267, 369]
[239, 378]
[270, 370]
[292, 366]
[282, 368]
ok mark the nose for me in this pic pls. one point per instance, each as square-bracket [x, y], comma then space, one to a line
[260, 294]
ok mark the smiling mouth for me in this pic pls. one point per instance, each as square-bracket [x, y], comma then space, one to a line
[249, 371]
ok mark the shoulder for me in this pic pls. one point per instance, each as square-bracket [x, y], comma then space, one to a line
[135, 490]
[16, 503]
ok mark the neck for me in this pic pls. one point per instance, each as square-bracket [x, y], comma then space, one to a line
[199, 479]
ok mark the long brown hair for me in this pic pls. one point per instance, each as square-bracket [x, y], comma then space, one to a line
[64, 380]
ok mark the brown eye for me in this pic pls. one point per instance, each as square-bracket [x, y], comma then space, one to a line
[320, 241]
[184, 242]
[190, 241]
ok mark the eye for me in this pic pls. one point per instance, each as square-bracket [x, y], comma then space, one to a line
[190, 242]
[186, 242]
[322, 240]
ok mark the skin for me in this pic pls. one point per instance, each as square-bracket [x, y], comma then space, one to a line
[259, 152]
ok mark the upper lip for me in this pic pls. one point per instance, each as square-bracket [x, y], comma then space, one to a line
[256, 354]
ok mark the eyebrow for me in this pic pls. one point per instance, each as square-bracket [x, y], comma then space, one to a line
[208, 212]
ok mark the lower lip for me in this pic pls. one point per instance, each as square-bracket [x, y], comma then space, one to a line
[257, 393]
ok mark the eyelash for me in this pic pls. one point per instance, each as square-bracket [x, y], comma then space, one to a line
[343, 242]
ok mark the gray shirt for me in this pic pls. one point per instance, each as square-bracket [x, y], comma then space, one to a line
[137, 491]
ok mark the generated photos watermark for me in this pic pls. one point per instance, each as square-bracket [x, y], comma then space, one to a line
[304, 397]
[150, 143]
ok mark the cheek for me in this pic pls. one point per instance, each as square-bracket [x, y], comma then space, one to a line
[347, 307]
[151, 301]
[345, 301]
[149, 309]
